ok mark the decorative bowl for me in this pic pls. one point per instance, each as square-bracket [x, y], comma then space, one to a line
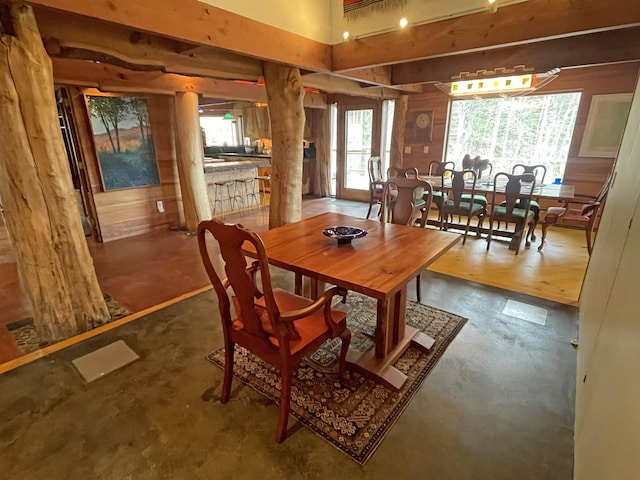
[344, 234]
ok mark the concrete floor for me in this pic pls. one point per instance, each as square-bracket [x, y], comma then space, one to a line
[499, 405]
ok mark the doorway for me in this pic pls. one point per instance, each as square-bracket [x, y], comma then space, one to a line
[359, 134]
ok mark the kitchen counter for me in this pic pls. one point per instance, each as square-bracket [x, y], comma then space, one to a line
[236, 165]
[248, 156]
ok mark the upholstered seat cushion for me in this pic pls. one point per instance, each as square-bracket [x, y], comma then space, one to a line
[309, 328]
[533, 206]
[463, 207]
[438, 197]
[501, 211]
[479, 199]
[554, 212]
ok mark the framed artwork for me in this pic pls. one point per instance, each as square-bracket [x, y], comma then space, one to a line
[122, 137]
[419, 127]
[605, 125]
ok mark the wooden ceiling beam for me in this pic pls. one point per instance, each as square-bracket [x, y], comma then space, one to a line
[110, 78]
[203, 24]
[591, 49]
[513, 24]
[336, 84]
[73, 36]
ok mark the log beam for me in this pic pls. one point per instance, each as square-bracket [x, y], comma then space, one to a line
[203, 24]
[190, 153]
[40, 209]
[286, 109]
[612, 46]
[513, 24]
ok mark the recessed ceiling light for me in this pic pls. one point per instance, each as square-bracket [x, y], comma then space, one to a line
[403, 22]
[345, 35]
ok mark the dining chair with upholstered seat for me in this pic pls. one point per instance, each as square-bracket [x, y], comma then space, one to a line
[539, 172]
[395, 172]
[516, 208]
[409, 206]
[435, 170]
[460, 204]
[274, 324]
[583, 216]
[478, 165]
[376, 184]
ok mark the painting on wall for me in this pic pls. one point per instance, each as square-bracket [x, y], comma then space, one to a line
[123, 141]
[605, 125]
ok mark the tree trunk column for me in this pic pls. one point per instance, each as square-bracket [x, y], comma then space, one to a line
[285, 95]
[398, 131]
[37, 193]
[190, 152]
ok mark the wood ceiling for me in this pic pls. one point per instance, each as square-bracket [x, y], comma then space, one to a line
[187, 38]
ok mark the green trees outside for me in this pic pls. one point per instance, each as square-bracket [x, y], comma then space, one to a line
[532, 130]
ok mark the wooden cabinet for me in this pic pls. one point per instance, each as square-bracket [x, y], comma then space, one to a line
[256, 122]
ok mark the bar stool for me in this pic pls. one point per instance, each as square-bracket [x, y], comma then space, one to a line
[247, 192]
[218, 188]
[262, 187]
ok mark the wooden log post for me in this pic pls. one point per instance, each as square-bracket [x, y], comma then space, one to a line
[398, 131]
[285, 95]
[40, 209]
[190, 153]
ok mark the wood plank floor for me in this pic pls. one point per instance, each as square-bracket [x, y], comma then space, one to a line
[154, 268]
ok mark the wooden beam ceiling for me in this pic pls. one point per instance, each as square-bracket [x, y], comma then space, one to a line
[514, 24]
[595, 48]
[202, 24]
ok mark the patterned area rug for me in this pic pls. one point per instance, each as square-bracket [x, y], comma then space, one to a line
[28, 340]
[355, 413]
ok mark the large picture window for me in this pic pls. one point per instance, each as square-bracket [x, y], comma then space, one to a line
[531, 130]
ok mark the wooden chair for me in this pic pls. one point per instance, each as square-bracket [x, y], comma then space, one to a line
[395, 172]
[516, 208]
[277, 326]
[583, 217]
[376, 184]
[459, 203]
[478, 165]
[411, 203]
[435, 169]
[540, 172]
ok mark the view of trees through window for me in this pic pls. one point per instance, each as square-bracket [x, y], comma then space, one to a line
[531, 130]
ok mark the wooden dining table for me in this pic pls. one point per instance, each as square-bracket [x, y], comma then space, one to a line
[379, 265]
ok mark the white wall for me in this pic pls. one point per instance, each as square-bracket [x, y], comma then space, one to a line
[309, 18]
[323, 20]
[607, 425]
[416, 12]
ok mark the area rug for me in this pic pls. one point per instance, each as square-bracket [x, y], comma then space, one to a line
[353, 414]
[28, 339]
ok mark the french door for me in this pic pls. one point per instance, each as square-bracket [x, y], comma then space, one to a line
[358, 140]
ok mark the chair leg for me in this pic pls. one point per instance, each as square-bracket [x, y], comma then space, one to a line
[466, 229]
[589, 240]
[532, 226]
[490, 231]
[346, 340]
[545, 226]
[370, 205]
[228, 372]
[285, 403]
[418, 284]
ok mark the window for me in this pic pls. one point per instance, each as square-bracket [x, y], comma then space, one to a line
[218, 131]
[531, 130]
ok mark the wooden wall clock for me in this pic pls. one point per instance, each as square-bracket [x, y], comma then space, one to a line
[419, 127]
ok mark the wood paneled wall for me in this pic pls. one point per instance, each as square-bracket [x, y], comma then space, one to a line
[132, 211]
[587, 174]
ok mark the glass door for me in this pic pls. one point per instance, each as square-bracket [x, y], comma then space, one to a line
[359, 140]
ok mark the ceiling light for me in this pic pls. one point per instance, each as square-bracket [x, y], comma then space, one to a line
[346, 35]
[403, 22]
[493, 6]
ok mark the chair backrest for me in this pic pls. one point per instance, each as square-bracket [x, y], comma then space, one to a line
[240, 277]
[459, 181]
[436, 167]
[539, 171]
[402, 206]
[518, 191]
[375, 170]
[477, 164]
[395, 172]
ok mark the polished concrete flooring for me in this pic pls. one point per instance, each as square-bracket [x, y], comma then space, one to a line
[499, 405]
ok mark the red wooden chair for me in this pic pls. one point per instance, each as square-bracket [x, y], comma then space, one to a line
[583, 216]
[277, 326]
